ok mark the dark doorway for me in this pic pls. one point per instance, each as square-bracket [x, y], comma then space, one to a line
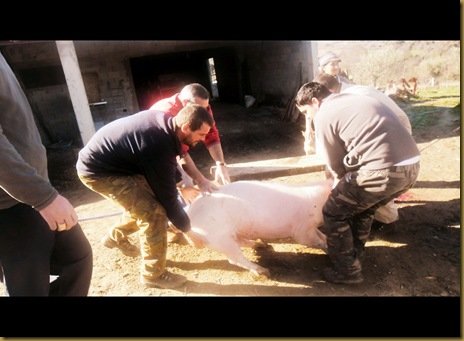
[161, 76]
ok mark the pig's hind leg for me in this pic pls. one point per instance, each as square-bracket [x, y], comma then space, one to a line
[254, 244]
[257, 246]
[230, 247]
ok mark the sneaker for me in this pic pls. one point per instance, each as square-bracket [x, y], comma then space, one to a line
[167, 280]
[336, 277]
[124, 245]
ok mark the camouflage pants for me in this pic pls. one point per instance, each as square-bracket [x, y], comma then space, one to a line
[143, 213]
[350, 208]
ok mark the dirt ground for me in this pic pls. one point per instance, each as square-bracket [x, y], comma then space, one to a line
[422, 258]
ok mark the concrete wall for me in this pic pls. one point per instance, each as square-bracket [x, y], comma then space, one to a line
[278, 68]
[271, 71]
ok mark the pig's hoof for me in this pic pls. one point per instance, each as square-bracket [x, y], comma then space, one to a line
[261, 273]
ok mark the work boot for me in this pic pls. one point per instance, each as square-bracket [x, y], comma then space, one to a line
[124, 245]
[167, 280]
[334, 276]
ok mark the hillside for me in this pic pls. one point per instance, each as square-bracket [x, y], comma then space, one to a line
[417, 51]
[350, 50]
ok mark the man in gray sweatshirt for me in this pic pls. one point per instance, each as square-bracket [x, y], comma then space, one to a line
[385, 216]
[372, 157]
[39, 232]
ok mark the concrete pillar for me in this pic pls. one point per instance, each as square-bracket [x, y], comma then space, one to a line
[76, 89]
[314, 59]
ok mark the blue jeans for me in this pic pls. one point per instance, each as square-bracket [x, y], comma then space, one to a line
[30, 253]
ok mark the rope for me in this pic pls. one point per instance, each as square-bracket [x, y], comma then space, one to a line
[100, 216]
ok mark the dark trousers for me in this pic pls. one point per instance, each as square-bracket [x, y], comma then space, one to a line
[30, 253]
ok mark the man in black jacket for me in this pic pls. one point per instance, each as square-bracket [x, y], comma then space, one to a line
[132, 161]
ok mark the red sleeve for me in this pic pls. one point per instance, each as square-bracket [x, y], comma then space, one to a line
[213, 135]
[171, 105]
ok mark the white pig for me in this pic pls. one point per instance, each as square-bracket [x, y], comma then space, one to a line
[241, 212]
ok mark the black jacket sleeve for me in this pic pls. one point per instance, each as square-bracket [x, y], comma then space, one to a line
[161, 175]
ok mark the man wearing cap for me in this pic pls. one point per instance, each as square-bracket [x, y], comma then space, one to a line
[329, 64]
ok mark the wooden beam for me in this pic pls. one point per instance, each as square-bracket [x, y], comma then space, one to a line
[258, 170]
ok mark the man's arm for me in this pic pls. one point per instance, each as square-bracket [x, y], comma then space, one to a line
[191, 169]
[221, 169]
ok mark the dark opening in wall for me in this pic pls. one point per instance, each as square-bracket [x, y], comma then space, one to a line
[161, 76]
[42, 77]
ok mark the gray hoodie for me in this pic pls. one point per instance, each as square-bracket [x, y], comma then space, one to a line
[23, 169]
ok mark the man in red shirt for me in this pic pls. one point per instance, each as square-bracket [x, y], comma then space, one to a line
[196, 93]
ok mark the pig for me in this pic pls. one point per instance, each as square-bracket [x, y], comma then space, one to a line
[241, 213]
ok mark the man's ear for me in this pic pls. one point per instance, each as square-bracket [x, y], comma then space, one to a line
[185, 102]
[315, 101]
[185, 128]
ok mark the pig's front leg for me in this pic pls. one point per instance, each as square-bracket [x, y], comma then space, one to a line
[322, 241]
[312, 238]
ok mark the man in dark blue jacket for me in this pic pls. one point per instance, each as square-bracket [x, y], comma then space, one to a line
[133, 162]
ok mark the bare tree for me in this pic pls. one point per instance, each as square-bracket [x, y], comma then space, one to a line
[377, 66]
[443, 67]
